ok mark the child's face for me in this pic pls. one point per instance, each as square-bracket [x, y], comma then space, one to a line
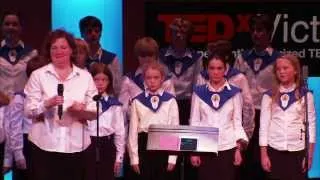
[216, 70]
[259, 36]
[285, 71]
[102, 82]
[146, 59]
[153, 79]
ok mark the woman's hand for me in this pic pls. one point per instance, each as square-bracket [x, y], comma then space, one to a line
[54, 101]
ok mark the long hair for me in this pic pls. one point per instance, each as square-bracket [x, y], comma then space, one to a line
[295, 62]
[98, 68]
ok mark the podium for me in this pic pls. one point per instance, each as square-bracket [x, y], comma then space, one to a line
[182, 140]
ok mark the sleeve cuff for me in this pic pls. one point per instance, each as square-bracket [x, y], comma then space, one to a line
[7, 162]
[263, 142]
[134, 160]
[172, 159]
[241, 135]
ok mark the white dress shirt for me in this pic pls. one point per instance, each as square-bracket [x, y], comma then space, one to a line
[142, 116]
[67, 135]
[281, 123]
[258, 68]
[239, 80]
[223, 112]
[13, 75]
[111, 122]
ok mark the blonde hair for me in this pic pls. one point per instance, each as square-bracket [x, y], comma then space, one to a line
[82, 45]
[146, 46]
[295, 62]
[155, 66]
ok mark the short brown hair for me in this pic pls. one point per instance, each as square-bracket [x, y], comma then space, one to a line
[97, 68]
[52, 37]
[146, 46]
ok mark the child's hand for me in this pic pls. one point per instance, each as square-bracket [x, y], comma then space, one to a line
[117, 168]
[195, 161]
[237, 157]
[136, 168]
[5, 169]
[21, 164]
[265, 162]
[304, 169]
[170, 167]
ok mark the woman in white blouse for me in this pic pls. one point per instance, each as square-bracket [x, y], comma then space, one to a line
[218, 104]
[281, 134]
[58, 143]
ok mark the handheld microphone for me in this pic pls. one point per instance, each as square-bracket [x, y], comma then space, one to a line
[60, 90]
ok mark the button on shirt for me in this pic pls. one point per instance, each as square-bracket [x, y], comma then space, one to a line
[228, 118]
[281, 129]
[67, 135]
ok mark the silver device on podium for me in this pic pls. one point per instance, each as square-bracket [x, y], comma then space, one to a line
[183, 138]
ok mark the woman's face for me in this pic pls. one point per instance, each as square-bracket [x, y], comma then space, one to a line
[60, 52]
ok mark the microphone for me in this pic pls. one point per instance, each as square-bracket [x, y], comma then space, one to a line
[60, 90]
[97, 97]
[305, 74]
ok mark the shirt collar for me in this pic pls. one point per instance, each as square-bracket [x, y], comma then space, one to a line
[97, 55]
[288, 89]
[106, 97]
[75, 71]
[20, 43]
[160, 92]
[171, 52]
[138, 71]
[269, 50]
[226, 84]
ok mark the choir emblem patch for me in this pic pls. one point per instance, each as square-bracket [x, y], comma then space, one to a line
[215, 98]
[284, 100]
[178, 67]
[257, 64]
[154, 102]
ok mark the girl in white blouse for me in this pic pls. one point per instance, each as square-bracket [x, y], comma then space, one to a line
[283, 112]
[218, 104]
[152, 106]
[111, 140]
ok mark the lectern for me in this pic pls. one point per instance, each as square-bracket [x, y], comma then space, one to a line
[183, 139]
